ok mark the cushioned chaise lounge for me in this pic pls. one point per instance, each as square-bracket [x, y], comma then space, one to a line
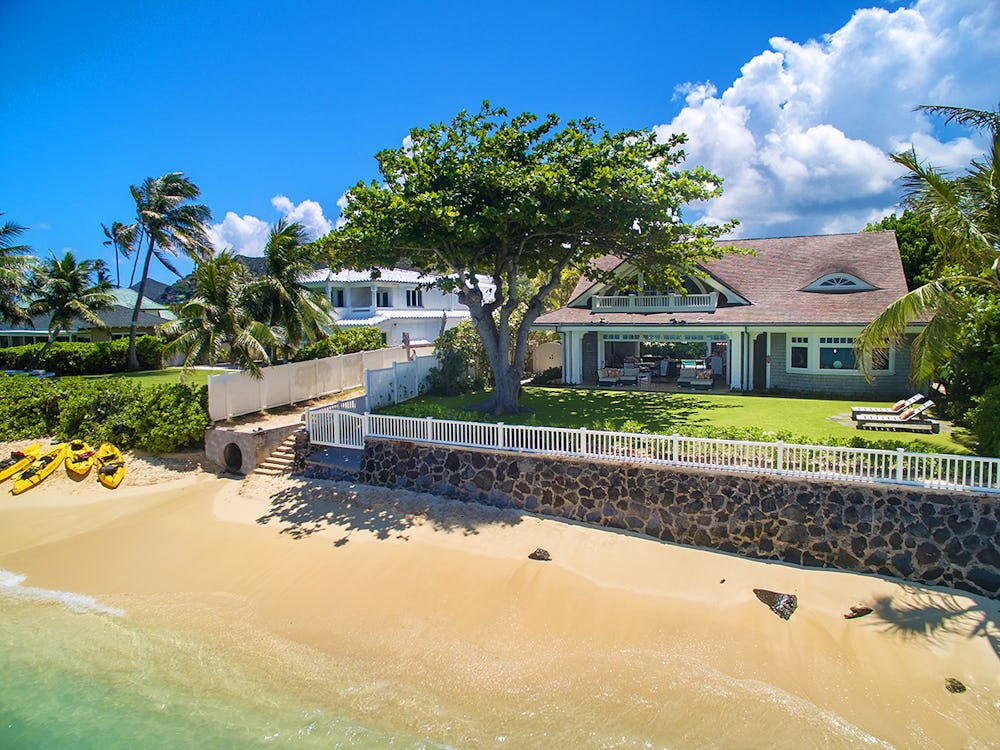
[909, 419]
[897, 408]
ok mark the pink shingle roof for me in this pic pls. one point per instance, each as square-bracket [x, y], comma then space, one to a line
[773, 279]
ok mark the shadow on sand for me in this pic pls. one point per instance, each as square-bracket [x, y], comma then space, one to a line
[933, 615]
[306, 509]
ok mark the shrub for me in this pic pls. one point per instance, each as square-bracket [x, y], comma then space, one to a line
[985, 420]
[342, 341]
[30, 407]
[157, 419]
[546, 377]
[69, 358]
[167, 417]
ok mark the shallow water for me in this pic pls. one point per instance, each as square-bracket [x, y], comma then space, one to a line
[82, 673]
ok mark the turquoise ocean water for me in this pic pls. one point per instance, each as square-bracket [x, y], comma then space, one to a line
[75, 673]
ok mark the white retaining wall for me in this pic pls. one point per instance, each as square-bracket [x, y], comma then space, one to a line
[234, 393]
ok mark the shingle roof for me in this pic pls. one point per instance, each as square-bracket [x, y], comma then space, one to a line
[773, 279]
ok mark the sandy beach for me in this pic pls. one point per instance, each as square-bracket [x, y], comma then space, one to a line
[324, 587]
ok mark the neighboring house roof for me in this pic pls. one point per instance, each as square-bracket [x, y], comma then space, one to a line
[154, 289]
[773, 279]
[126, 297]
[389, 313]
[386, 276]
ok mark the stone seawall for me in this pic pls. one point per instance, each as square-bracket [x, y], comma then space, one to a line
[938, 538]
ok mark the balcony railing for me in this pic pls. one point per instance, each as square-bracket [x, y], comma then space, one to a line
[656, 303]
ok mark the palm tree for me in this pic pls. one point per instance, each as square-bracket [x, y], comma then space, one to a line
[65, 290]
[121, 238]
[216, 324]
[15, 265]
[965, 218]
[279, 298]
[171, 225]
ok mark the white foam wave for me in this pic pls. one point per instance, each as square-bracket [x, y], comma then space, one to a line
[11, 587]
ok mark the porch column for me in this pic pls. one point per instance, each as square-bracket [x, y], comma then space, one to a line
[573, 357]
[737, 363]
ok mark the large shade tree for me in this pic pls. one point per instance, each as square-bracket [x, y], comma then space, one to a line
[278, 296]
[65, 290]
[170, 225]
[964, 214]
[521, 197]
[15, 263]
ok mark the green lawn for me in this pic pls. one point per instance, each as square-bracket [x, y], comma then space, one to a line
[169, 375]
[808, 419]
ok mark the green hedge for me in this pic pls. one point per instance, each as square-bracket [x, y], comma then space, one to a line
[342, 341]
[156, 419]
[84, 357]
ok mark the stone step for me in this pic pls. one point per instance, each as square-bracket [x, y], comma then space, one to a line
[281, 459]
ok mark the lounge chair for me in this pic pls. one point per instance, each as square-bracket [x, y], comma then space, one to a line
[909, 419]
[897, 408]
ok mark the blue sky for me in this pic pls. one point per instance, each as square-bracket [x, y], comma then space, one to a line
[275, 109]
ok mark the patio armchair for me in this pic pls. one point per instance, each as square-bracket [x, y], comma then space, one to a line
[897, 408]
[911, 419]
[608, 375]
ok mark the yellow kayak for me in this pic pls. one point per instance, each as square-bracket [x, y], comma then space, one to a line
[110, 465]
[19, 460]
[79, 459]
[40, 469]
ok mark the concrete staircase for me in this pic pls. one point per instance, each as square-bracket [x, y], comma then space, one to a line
[280, 461]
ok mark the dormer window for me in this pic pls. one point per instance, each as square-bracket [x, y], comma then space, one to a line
[838, 283]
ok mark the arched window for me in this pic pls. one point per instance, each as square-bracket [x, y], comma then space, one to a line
[838, 283]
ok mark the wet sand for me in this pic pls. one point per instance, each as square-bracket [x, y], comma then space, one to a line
[618, 634]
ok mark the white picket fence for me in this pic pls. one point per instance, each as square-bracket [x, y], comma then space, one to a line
[234, 393]
[339, 428]
[400, 382]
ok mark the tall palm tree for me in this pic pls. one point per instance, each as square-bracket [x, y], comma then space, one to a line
[170, 225]
[216, 325]
[15, 264]
[121, 238]
[965, 218]
[64, 290]
[279, 298]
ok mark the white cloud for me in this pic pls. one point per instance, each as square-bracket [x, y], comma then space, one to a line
[247, 235]
[802, 136]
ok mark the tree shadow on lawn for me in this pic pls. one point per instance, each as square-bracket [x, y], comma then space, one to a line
[660, 413]
[316, 505]
[934, 615]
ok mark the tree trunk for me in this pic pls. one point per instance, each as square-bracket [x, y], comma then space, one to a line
[133, 358]
[41, 352]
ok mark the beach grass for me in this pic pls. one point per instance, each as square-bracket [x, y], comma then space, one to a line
[815, 420]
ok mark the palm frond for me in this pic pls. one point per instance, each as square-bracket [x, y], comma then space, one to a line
[977, 119]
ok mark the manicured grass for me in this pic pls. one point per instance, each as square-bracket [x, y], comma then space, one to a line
[808, 419]
[167, 376]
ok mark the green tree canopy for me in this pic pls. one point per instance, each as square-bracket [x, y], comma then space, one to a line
[920, 254]
[15, 263]
[521, 197]
[64, 290]
[170, 224]
[964, 214]
[217, 324]
[278, 297]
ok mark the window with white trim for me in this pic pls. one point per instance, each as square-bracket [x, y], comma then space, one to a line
[798, 356]
[414, 298]
[382, 298]
[337, 297]
[836, 353]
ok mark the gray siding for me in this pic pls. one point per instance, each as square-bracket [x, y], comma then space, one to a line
[589, 360]
[885, 386]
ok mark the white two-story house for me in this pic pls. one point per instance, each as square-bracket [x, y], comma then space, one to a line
[404, 305]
